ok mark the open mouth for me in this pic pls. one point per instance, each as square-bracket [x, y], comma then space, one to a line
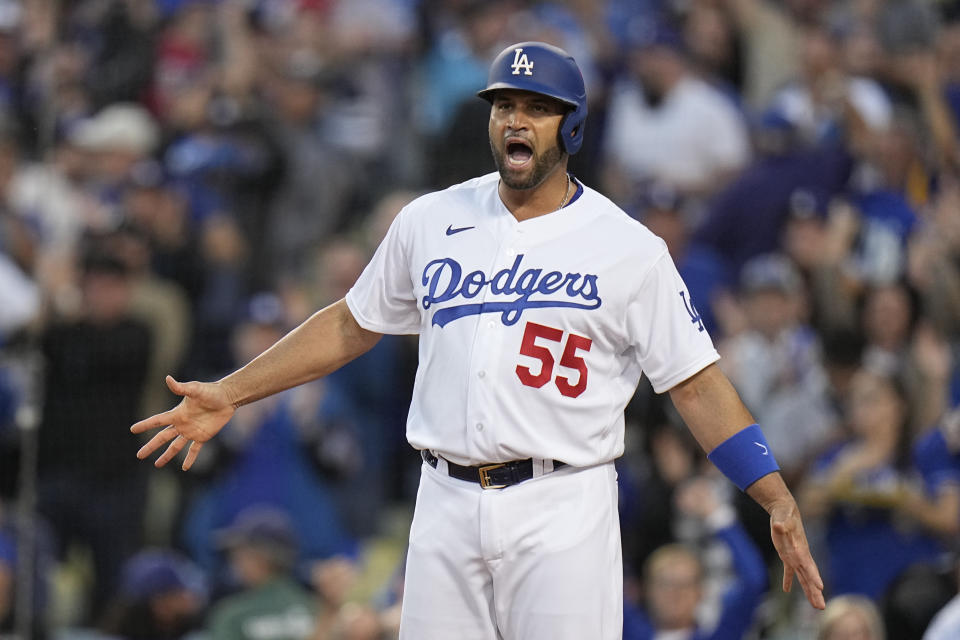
[519, 153]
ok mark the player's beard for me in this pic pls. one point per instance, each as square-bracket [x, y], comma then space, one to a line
[543, 165]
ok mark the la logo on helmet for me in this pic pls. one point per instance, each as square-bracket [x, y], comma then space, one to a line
[520, 61]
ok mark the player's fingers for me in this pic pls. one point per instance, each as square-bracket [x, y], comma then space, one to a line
[812, 589]
[192, 454]
[798, 562]
[173, 385]
[156, 442]
[808, 571]
[158, 420]
[183, 388]
[175, 447]
[787, 578]
[811, 582]
[815, 597]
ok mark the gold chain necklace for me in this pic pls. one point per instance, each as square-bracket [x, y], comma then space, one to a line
[566, 194]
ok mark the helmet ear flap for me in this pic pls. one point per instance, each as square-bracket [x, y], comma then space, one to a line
[561, 137]
[571, 130]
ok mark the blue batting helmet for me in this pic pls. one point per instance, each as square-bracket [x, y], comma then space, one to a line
[547, 70]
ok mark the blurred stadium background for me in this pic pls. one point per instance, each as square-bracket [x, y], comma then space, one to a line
[182, 181]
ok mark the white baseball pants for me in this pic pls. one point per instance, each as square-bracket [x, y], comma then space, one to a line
[536, 561]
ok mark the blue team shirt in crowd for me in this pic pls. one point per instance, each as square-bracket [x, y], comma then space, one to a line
[935, 463]
[739, 601]
[868, 547]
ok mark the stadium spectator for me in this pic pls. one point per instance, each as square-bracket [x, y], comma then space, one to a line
[931, 261]
[158, 303]
[648, 486]
[456, 63]
[452, 68]
[888, 319]
[333, 580]
[710, 38]
[823, 100]
[858, 489]
[747, 218]
[666, 125]
[936, 503]
[95, 365]
[776, 363]
[261, 545]
[162, 596]
[851, 618]
[770, 37]
[304, 210]
[675, 578]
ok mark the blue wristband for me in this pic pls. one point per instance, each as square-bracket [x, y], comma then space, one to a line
[744, 457]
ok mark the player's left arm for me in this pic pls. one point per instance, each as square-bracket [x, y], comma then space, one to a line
[714, 413]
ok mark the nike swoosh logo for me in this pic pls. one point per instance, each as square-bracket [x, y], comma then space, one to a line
[451, 230]
[765, 452]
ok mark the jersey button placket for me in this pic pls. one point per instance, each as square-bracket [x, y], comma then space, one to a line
[483, 364]
[477, 404]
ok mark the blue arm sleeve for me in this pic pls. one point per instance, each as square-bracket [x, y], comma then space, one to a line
[744, 596]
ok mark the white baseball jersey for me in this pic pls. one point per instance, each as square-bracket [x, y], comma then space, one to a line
[533, 334]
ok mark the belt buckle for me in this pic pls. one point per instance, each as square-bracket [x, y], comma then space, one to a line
[485, 477]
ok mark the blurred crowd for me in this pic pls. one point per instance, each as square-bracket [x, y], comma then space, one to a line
[182, 181]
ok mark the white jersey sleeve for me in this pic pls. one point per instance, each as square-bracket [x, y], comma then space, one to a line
[383, 298]
[662, 321]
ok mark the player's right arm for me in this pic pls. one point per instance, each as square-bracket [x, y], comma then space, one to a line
[323, 343]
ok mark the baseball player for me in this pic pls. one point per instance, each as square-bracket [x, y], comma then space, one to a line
[538, 304]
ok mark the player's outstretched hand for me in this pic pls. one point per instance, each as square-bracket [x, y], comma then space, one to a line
[204, 410]
[786, 529]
